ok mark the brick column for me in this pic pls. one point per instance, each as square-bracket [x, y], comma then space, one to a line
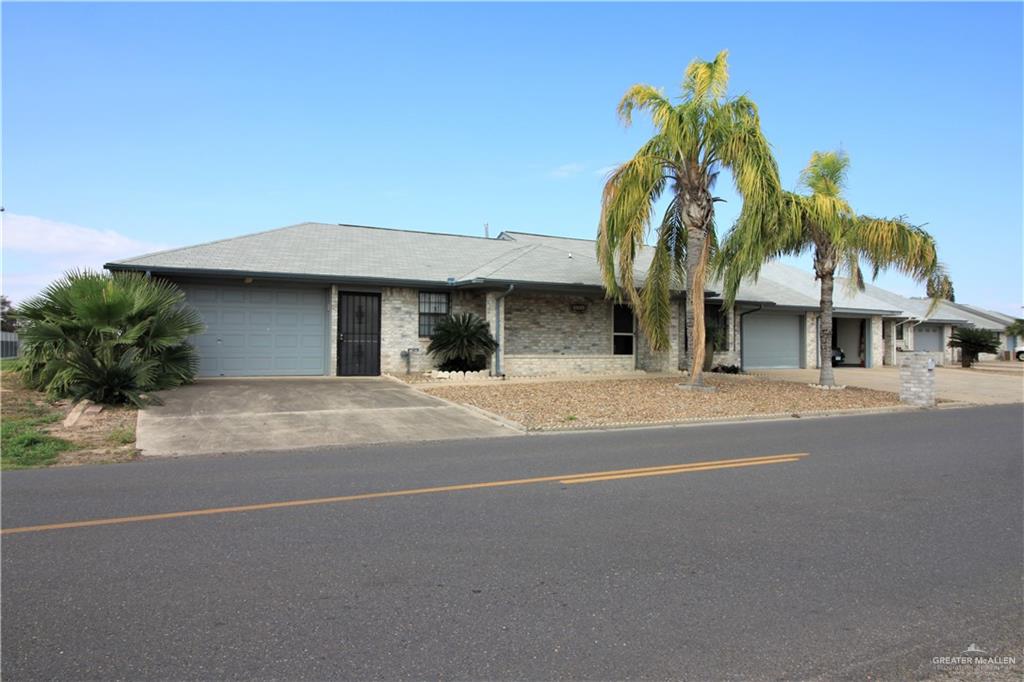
[917, 380]
[332, 307]
[810, 359]
[877, 342]
[493, 308]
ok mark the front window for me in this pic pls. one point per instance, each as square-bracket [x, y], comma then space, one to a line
[434, 307]
[899, 332]
[716, 327]
[622, 330]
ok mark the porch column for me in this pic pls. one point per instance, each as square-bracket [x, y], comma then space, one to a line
[495, 312]
[811, 328]
[876, 352]
[332, 325]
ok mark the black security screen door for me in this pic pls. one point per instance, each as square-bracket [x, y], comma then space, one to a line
[358, 334]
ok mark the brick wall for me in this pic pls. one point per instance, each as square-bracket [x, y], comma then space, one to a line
[541, 324]
[917, 379]
[666, 360]
[545, 336]
[731, 356]
[540, 365]
[399, 327]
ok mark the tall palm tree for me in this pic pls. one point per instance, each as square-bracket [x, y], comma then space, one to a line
[695, 137]
[824, 223]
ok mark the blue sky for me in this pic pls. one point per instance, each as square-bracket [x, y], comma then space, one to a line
[128, 127]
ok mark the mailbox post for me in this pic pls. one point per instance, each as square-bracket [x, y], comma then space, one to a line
[917, 380]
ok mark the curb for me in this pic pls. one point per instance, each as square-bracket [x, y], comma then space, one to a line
[479, 411]
[743, 418]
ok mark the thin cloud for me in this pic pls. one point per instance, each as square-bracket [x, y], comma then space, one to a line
[38, 250]
[566, 170]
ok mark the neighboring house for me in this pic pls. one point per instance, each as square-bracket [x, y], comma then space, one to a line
[995, 322]
[319, 299]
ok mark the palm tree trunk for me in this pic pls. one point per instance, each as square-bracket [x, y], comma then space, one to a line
[826, 377]
[691, 267]
[696, 274]
[698, 214]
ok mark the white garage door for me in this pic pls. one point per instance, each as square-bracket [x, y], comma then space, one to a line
[771, 341]
[260, 331]
[928, 337]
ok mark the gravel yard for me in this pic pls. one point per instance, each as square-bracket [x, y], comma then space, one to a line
[565, 404]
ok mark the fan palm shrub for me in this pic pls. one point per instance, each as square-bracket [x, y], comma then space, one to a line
[461, 343]
[972, 342]
[695, 138]
[823, 223]
[111, 338]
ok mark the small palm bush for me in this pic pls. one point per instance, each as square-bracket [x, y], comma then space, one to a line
[971, 342]
[461, 343]
[111, 338]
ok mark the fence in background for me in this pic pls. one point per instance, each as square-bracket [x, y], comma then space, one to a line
[9, 345]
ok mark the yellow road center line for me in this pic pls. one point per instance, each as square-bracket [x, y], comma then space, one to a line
[619, 472]
[680, 470]
[564, 478]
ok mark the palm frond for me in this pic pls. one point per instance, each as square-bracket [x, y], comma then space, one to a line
[627, 204]
[655, 301]
[704, 81]
[89, 333]
[825, 175]
[642, 97]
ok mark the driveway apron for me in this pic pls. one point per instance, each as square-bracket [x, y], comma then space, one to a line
[240, 415]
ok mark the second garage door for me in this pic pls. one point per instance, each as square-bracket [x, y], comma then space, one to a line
[928, 337]
[260, 331]
[771, 341]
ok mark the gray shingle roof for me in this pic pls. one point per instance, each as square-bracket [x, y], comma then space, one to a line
[346, 252]
[985, 319]
[351, 252]
[335, 251]
[791, 286]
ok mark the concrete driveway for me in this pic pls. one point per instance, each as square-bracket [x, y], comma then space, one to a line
[951, 383]
[242, 415]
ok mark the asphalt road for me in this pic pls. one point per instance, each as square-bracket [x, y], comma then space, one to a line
[898, 538]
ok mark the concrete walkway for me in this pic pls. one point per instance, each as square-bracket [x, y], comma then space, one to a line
[951, 383]
[248, 415]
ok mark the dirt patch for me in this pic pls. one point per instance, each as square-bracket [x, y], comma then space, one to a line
[595, 403]
[105, 437]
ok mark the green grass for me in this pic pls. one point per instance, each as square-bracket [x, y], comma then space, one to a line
[10, 364]
[23, 444]
[121, 436]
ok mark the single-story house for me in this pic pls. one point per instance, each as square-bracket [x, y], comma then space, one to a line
[994, 322]
[322, 299]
